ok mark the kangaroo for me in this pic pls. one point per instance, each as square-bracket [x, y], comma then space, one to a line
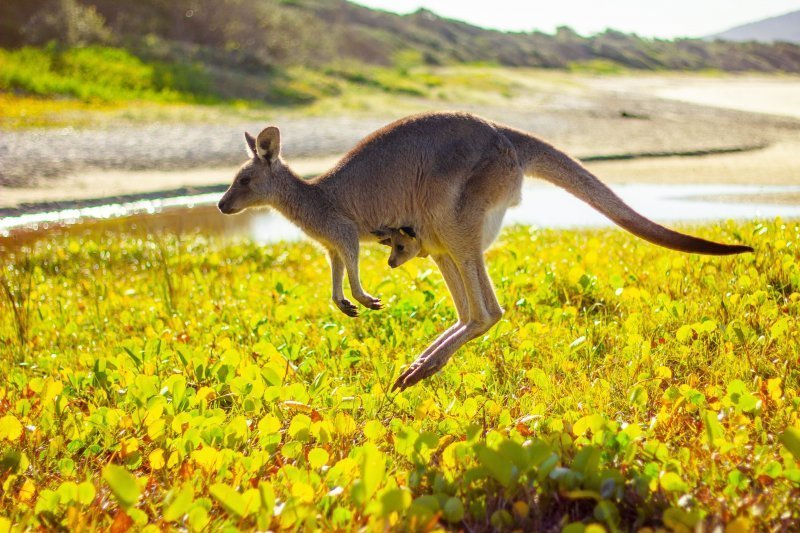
[450, 175]
[403, 242]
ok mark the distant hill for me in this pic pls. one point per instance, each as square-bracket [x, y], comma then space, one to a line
[783, 28]
[254, 35]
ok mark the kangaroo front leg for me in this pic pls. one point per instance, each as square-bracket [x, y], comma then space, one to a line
[484, 312]
[350, 256]
[337, 277]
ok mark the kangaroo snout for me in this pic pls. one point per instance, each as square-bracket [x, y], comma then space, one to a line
[223, 207]
[226, 207]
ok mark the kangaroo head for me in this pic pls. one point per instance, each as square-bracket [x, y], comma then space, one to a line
[403, 241]
[253, 183]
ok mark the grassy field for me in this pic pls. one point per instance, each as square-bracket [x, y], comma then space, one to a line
[166, 381]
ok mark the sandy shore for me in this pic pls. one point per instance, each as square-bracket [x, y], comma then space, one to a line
[603, 117]
[775, 95]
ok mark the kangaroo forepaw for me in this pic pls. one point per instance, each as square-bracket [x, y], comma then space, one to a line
[419, 370]
[347, 307]
[371, 302]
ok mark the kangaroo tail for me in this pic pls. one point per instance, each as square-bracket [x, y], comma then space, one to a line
[543, 160]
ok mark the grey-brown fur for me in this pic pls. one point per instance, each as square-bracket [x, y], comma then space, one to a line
[449, 175]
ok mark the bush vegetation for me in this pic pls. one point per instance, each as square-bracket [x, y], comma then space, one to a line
[100, 73]
[253, 50]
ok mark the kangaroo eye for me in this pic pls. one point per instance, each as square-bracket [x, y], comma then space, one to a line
[244, 182]
[400, 247]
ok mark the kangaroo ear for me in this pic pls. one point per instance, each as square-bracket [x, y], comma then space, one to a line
[381, 233]
[268, 144]
[408, 231]
[251, 142]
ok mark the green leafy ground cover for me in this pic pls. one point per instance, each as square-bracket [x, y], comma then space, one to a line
[193, 382]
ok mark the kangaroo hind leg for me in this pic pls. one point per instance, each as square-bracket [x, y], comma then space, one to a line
[483, 312]
[455, 285]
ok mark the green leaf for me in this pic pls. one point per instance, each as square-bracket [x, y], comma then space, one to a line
[394, 500]
[594, 422]
[714, 430]
[318, 457]
[684, 332]
[453, 510]
[779, 328]
[791, 439]
[514, 452]
[538, 377]
[499, 467]
[267, 497]
[68, 491]
[501, 520]
[586, 460]
[638, 396]
[47, 502]
[741, 397]
[229, 499]
[269, 425]
[138, 516]
[675, 518]
[86, 493]
[123, 485]
[374, 430]
[198, 517]
[10, 428]
[574, 527]
[180, 504]
[372, 467]
[672, 482]
[252, 501]
[299, 427]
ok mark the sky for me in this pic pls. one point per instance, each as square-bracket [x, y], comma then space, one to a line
[663, 18]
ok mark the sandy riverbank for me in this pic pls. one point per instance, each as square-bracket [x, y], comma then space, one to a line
[604, 116]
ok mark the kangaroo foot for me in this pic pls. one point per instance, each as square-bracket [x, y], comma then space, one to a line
[420, 369]
[347, 307]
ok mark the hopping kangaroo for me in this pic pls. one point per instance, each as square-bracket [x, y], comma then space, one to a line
[451, 176]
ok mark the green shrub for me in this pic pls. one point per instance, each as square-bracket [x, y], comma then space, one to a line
[101, 73]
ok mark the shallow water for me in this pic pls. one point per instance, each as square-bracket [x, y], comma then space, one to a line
[550, 207]
[543, 206]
